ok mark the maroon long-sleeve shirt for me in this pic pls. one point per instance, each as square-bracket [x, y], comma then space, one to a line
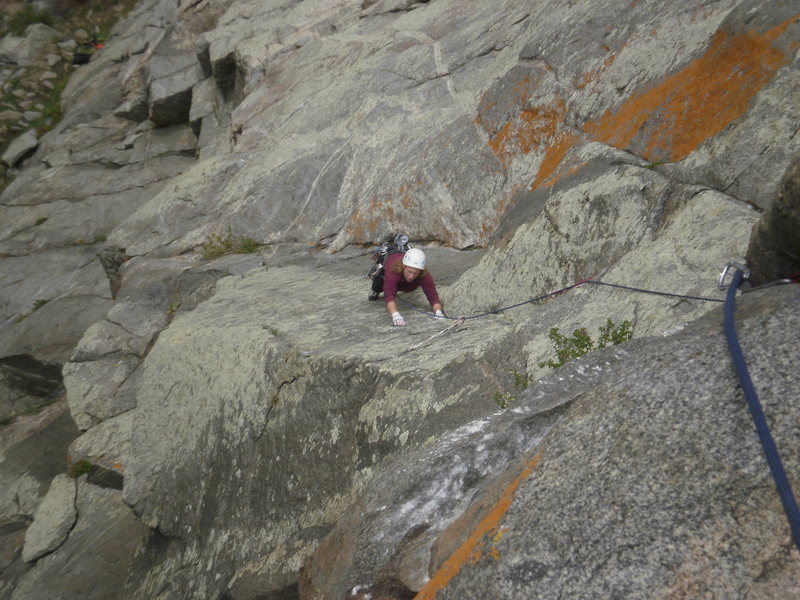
[394, 282]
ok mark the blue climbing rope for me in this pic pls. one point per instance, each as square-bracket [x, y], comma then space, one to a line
[770, 449]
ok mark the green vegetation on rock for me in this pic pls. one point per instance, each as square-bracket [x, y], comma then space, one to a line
[217, 245]
[521, 381]
[80, 468]
[40, 303]
[581, 342]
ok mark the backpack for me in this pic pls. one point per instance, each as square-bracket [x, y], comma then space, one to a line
[397, 244]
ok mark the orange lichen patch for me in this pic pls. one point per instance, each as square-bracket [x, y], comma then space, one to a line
[592, 75]
[533, 128]
[675, 116]
[470, 550]
[553, 157]
[488, 546]
[357, 227]
[367, 221]
[117, 466]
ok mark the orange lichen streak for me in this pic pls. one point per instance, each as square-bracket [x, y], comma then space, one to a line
[675, 116]
[486, 534]
[664, 121]
[533, 129]
[365, 223]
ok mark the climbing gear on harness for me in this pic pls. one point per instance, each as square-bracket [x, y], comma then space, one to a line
[398, 320]
[414, 258]
[756, 412]
[398, 244]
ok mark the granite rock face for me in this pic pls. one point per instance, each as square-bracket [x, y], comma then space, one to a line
[244, 400]
[688, 512]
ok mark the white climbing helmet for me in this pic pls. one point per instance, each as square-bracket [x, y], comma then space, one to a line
[414, 258]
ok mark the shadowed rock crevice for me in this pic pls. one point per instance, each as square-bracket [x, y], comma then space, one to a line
[774, 250]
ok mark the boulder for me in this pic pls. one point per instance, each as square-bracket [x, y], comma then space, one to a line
[53, 520]
[21, 147]
[31, 115]
[9, 116]
[95, 557]
[133, 107]
[170, 97]
[33, 450]
[30, 49]
[204, 95]
[173, 74]
[11, 49]
[92, 388]
[105, 445]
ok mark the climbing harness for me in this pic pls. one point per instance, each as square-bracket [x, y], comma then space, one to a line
[741, 273]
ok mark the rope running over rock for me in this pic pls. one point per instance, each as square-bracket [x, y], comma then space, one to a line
[757, 413]
[554, 293]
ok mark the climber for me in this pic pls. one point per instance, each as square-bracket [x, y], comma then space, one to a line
[404, 272]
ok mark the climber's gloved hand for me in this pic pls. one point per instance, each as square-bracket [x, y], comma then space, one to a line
[439, 315]
[397, 319]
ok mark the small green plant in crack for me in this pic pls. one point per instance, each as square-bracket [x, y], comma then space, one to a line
[503, 400]
[582, 343]
[80, 468]
[247, 246]
[40, 303]
[39, 221]
[173, 308]
[654, 164]
[216, 245]
[521, 380]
